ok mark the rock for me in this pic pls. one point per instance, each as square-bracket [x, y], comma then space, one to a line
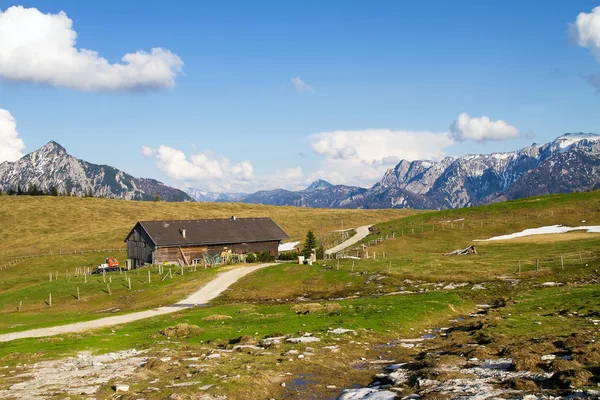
[213, 356]
[548, 357]
[304, 339]
[301, 356]
[282, 384]
[395, 367]
[341, 331]
[366, 394]
[271, 341]
[120, 387]
[478, 287]
[291, 352]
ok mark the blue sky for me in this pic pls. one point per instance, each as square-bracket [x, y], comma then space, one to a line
[383, 81]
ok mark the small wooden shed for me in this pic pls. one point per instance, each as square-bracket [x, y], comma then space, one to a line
[159, 242]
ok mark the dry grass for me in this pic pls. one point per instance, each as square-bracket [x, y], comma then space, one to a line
[216, 317]
[33, 225]
[316, 308]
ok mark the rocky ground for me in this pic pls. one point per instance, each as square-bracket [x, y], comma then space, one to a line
[462, 360]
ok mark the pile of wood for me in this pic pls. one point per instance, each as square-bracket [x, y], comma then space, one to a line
[462, 252]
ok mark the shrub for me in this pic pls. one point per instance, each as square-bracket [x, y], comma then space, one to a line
[288, 256]
[251, 258]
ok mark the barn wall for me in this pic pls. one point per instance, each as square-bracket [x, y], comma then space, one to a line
[172, 254]
[139, 247]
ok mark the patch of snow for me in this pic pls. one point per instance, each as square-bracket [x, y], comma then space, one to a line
[544, 230]
[288, 246]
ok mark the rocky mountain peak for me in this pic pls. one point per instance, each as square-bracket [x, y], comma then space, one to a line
[319, 185]
[52, 147]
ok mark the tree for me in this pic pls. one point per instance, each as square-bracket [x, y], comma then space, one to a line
[310, 243]
[156, 197]
[53, 191]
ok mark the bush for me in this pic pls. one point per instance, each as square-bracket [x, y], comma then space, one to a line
[251, 258]
[288, 256]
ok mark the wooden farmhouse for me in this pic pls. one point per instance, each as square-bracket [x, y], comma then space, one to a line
[159, 242]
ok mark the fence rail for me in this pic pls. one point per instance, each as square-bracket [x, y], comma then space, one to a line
[57, 253]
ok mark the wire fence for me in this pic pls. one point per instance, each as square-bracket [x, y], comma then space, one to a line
[57, 253]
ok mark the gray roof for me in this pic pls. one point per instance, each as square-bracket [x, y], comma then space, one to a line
[213, 231]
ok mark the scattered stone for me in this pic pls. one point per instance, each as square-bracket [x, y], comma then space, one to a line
[304, 339]
[120, 387]
[548, 357]
[213, 356]
[341, 331]
[478, 287]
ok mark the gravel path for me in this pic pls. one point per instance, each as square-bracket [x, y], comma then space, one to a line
[208, 292]
[361, 233]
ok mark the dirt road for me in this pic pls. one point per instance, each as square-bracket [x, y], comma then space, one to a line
[361, 233]
[208, 292]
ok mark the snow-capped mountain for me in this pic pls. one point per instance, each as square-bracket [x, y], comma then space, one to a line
[213, 197]
[51, 166]
[569, 163]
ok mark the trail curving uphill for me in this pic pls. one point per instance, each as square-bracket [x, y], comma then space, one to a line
[208, 292]
[361, 233]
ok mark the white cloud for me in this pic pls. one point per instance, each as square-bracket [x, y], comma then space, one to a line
[481, 129]
[585, 31]
[200, 167]
[11, 146]
[40, 48]
[148, 151]
[361, 157]
[300, 85]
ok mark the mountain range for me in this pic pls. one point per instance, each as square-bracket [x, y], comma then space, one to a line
[569, 163]
[51, 166]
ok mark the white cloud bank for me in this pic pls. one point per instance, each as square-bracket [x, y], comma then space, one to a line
[361, 157]
[350, 157]
[481, 129]
[585, 32]
[11, 146]
[219, 174]
[40, 48]
[300, 85]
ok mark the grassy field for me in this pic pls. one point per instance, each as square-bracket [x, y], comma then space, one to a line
[373, 320]
[94, 300]
[35, 225]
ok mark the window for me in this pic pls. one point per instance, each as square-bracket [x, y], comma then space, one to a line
[196, 261]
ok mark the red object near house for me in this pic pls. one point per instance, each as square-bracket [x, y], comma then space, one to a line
[112, 262]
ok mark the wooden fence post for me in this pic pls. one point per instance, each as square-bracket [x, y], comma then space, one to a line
[580, 259]
[78, 298]
[149, 280]
[50, 276]
[85, 278]
[50, 299]
[338, 264]
[390, 267]
[170, 274]
[562, 263]
[129, 283]
[108, 288]
[537, 265]
[519, 267]
[20, 305]
[352, 266]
